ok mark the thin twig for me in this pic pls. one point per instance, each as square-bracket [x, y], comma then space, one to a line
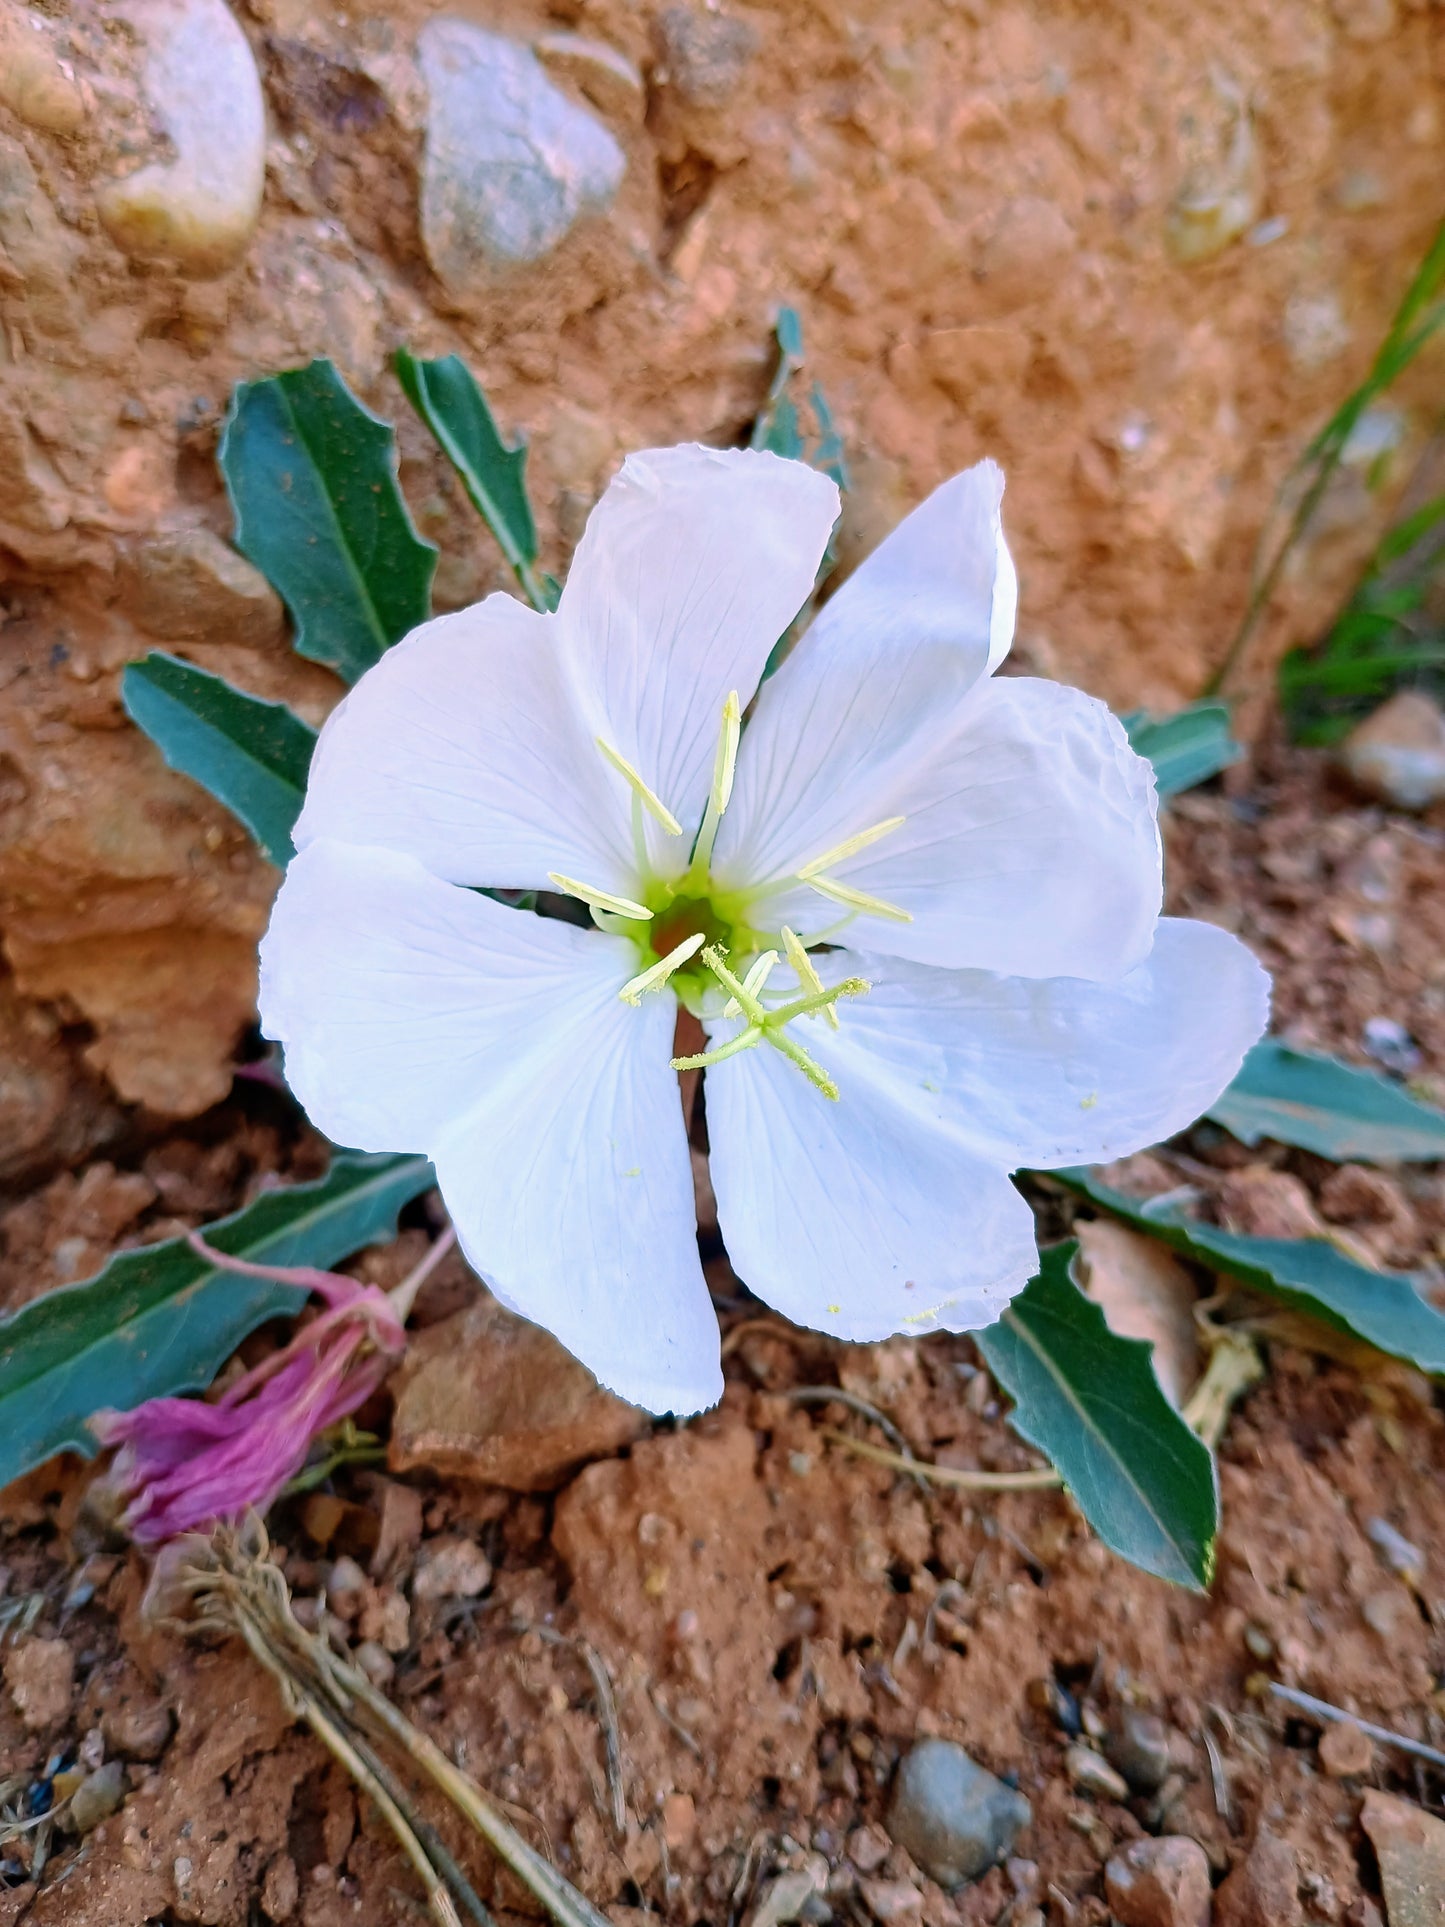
[1322, 1710]
[403, 1296]
[672, 1724]
[835, 1395]
[606, 1714]
[966, 1478]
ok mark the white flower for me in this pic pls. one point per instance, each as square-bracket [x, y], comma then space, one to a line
[978, 858]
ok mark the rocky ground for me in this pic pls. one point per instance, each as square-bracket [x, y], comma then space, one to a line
[782, 1622]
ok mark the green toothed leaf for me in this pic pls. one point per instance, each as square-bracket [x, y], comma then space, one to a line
[312, 477]
[1186, 748]
[251, 755]
[1089, 1400]
[1307, 1274]
[161, 1320]
[1334, 1109]
[454, 408]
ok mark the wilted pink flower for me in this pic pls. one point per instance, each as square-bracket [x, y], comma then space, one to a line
[183, 1464]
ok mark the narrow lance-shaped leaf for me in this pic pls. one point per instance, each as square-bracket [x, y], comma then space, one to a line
[454, 408]
[1335, 1110]
[161, 1320]
[1308, 1275]
[312, 477]
[1089, 1399]
[251, 755]
[1186, 748]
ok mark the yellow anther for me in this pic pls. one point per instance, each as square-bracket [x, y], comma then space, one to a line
[859, 900]
[851, 848]
[653, 978]
[601, 899]
[803, 964]
[648, 797]
[726, 761]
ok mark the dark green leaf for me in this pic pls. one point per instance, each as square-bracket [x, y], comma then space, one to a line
[454, 408]
[1322, 1105]
[1090, 1400]
[161, 1320]
[251, 755]
[1186, 748]
[1310, 1276]
[312, 476]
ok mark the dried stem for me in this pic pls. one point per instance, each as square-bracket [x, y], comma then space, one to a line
[1041, 1478]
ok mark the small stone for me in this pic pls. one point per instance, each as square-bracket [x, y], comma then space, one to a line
[1139, 1748]
[99, 1795]
[189, 586]
[868, 1848]
[137, 1727]
[1398, 753]
[1389, 1043]
[1091, 1773]
[376, 1662]
[1159, 1883]
[607, 77]
[40, 1674]
[951, 1815]
[1262, 1203]
[345, 1588]
[1400, 1554]
[386, 1617]
[198, 210]
[281, 1889]
[1410, 1847]
[1264, 1890]
[1314, 329]
[487, 1396]
[451, 1569]
[889, 1900]
[701, 54]
[679, 1821]
[511, 162]
[1346, 1750]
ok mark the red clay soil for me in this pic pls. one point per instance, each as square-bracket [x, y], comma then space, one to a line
[780, 1618]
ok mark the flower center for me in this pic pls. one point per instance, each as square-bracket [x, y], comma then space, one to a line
[696, 938]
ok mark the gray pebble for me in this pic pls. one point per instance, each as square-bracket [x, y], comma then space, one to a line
[1139, 1748]
[511, 162]
[99, 1795]
[1398, 754]
[952, 1816]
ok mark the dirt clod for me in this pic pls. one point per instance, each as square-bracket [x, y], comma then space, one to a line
[1160, 1883]
[1346, 1751]
[40, 1674]
[1263, 1891]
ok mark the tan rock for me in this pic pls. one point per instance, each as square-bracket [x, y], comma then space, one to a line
[35, 82]
[1398, 754]
[484, 1395]
[187, 585]
[1346, 1751]
[1144, 1292]
[1263, 1891]
[40, 1674]
[1159, 1883]
[1410, 1847]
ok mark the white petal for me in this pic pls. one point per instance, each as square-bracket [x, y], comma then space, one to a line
[692, 566]
[1037, 1074]
[419, 1016]
[466, 747]
[860, 1216]
[1029, 846]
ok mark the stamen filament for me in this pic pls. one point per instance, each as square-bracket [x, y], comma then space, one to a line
[601, 899]
[806, 972]
[764, 1026]
[821, 999]
[653, 978]
[744, 1040]
[850, 848]
[758, 974]
[724, 769]
[647, 796]
[859, 900]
